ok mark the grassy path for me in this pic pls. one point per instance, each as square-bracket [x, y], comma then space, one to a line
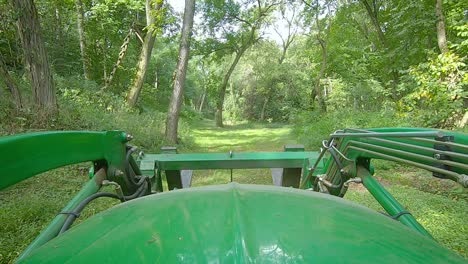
[244, 137]
[239, 138]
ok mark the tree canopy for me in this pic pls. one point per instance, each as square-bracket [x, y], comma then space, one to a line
[262, 60]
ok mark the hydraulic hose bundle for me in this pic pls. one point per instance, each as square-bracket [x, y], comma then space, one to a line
[444, 153]
[132, 174]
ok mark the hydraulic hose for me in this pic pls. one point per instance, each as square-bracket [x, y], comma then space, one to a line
[76, 212]
[128, 170]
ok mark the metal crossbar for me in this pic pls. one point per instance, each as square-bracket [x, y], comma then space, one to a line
[241, 160]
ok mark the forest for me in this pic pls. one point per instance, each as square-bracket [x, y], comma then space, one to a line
[159, 68]
[74, 64]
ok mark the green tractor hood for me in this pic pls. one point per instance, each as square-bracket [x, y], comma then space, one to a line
[236, 223]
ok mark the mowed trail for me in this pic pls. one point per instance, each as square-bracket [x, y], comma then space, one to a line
[244, 137]
[239, 138]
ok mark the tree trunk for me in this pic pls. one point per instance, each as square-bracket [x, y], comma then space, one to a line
[59, 29]
[285, 43]
[262, 114]
[104, 59]
[156, 79]
[373, 14]
[323, 66]
[202, 101]
[35, 57]
[81, 34]
[123, 51]
[145, 54]
[222, 90]
[375, 21]
[262, 13]
[143, 62]
[462, 123]
[317, 92]
[180, 73]
[10, 84]
[441, 37]
[285, 46]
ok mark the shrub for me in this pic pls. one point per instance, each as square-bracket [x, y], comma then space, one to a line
[313, 127]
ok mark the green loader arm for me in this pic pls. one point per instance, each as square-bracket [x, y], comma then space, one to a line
[348, 154]
[26, 155]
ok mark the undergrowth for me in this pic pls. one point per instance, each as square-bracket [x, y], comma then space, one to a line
[84, 106]
[313, 127]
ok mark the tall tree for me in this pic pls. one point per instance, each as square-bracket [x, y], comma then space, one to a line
[10, 84]
[248, 21]
[324, 47]
[222, 90]
[172, 120]
[81, 34]
[322, 31]
[205, 78]
[35, 56]
[441, 36]
[151, 9]
[373, 13]
[288, 14]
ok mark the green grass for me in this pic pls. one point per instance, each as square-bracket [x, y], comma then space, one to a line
[243, 137]
[27, 207]
[441, 206]
[442, 216]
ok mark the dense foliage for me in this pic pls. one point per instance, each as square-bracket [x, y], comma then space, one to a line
[328, 58]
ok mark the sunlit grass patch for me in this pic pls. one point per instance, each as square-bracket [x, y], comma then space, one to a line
[243, 137]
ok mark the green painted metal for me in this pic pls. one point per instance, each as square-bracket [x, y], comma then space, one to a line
[460, 147]
[158, 185]
[52, 230]
[292, 176]
[413, 146]
[235, 223]
[423, 148]
[171, 163]
[173, 177]
[26, 155]
[388, 202]
[239, 160]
